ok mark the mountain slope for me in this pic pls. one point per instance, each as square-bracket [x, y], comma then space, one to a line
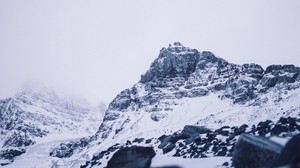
[36, 116]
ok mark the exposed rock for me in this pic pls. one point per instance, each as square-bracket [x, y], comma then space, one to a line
[164, 141]
[169, 148]
[278, 129]
[252, 151]
[10, 154]
[157, 116]
[174, 61]
[67, 149]
[189, 130]
[280, 73]
[132, 157]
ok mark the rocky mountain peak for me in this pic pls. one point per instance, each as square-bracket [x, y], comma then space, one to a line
[174, 61]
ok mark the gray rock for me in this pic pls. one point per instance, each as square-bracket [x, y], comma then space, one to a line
[169, 148]
[174, 61]
[132, 157]
[189, 130]
[253, 151]
[164, 142]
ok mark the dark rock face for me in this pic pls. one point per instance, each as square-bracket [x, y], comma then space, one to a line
[10, 154]
[122, 101]
[189, 130]
[18, 140]
[175, 61]
[275, 74]
[251, 151]
[132, 157]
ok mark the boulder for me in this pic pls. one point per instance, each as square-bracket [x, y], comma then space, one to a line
[253, 151]
[189, 130]
[290, 154]
[132, 157]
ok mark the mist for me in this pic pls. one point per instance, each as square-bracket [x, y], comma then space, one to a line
[99, 48]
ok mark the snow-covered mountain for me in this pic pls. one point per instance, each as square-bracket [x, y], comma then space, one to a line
[39, 115]
[187, 87]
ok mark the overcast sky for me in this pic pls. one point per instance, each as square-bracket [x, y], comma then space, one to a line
[99, 48]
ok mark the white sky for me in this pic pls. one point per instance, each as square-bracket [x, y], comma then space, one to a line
[99, 48]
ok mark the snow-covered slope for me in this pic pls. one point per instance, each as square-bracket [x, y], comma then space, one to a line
[39, 115]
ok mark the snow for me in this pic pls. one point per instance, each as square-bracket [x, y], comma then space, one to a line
[280, 140]
[36, 156]
[213, 162]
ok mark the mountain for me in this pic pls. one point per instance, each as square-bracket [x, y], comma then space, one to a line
[39, 115]
[185, 86]
[189, 104]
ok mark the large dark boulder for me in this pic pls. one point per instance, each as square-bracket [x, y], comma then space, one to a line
[132, 157]
[290, 154]
[253, 151]
[189, 130]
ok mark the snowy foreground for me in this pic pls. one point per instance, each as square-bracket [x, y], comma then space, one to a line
[213, 162]
[36, 157]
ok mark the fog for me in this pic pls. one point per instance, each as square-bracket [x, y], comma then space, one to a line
[99, 48]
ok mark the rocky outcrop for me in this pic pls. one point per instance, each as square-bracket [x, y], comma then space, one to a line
[8, 155]
[275, 74]
[190, 130]
[174, 61]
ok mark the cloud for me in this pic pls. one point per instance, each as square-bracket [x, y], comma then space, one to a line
[99, 48]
